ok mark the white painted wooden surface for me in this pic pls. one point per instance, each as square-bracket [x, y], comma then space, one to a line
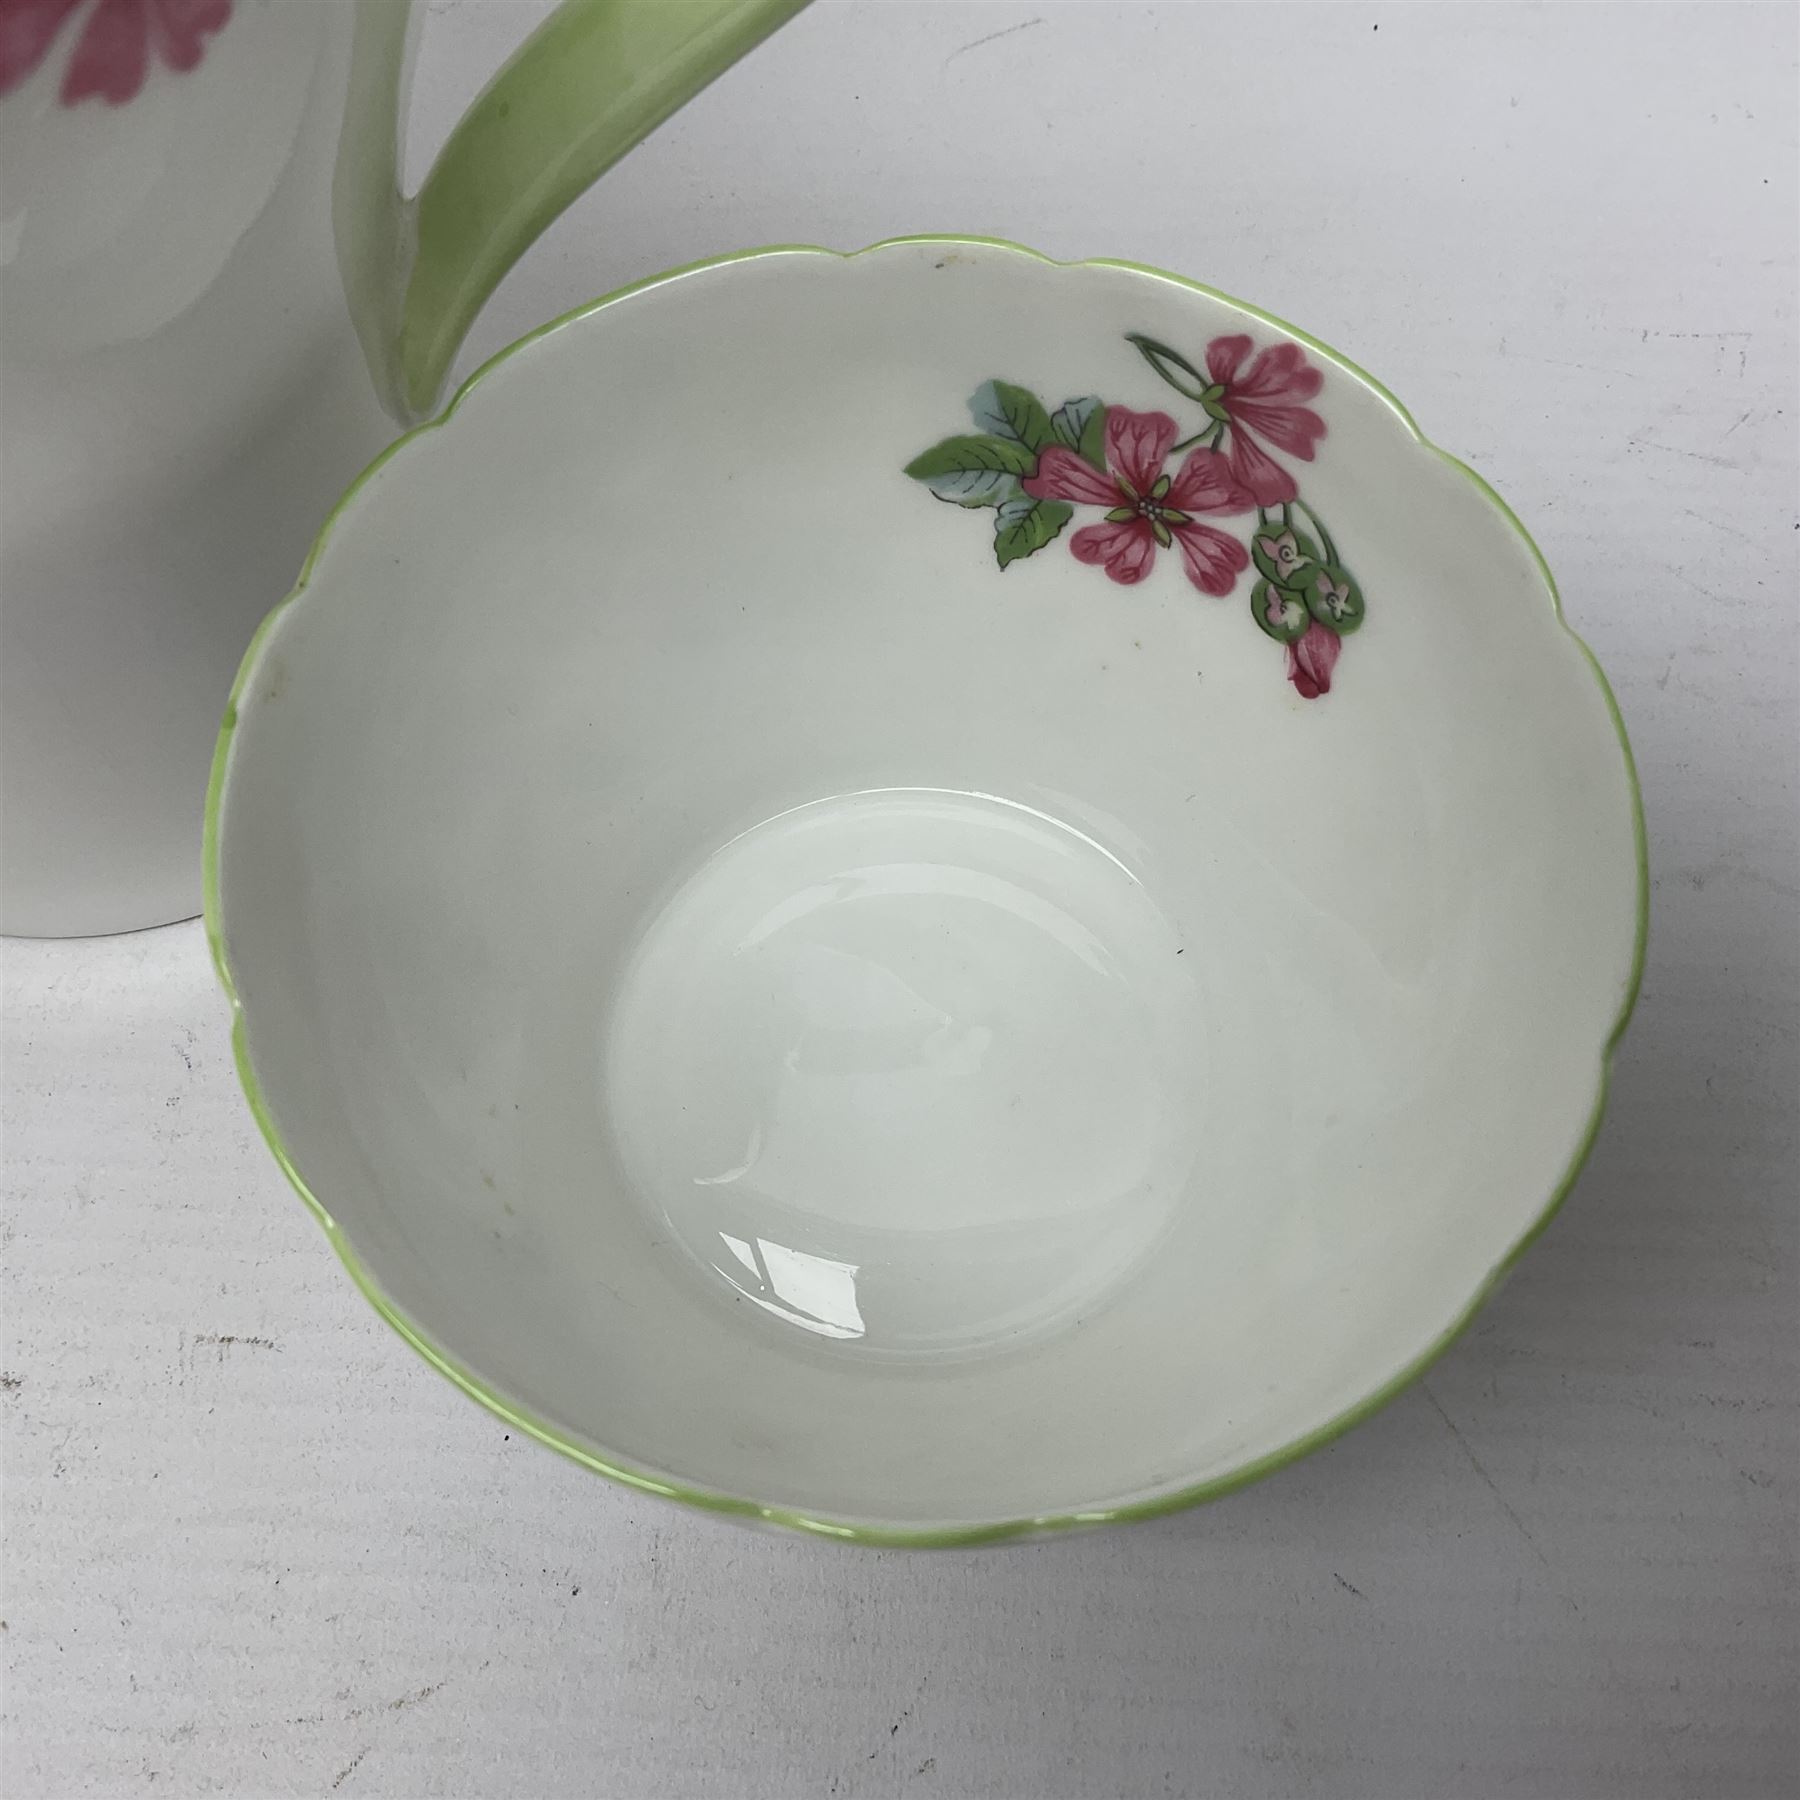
[252, 1546]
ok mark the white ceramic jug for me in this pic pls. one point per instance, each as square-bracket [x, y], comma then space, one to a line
[214, 303]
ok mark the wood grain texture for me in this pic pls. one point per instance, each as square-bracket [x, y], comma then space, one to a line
[252, 1546]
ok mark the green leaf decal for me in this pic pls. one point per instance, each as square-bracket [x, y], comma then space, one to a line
[1081, 425]
[1011, 412]
[1302, 596]
[1024, 525]
[1171, 365]
[973, 471]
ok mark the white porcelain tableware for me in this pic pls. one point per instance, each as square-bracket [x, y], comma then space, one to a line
[213, 305]
[926, 894]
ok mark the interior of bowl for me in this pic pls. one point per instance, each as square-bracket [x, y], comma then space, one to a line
[811, 955]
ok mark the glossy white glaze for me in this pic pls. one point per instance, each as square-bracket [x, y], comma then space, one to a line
[553, 993]
[208, 276]
[916, 1073]
[183, 395]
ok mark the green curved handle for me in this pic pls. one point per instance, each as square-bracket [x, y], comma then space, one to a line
[596, 78]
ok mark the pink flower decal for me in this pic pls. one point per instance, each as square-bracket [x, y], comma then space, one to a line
[1311, 660]
[1264, 400]
[1147, 510]
[117, 41]
[1284, 553]
[27, 30]
[1028, 468]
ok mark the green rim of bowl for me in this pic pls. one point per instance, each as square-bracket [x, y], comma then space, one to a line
[791, 1518]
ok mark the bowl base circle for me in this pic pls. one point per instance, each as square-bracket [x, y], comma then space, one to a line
[909, 1073]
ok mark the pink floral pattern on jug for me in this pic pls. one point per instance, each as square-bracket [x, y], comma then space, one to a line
[1034, 467]
[115, 44]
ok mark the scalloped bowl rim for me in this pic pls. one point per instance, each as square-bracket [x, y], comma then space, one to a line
[746, 1508]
